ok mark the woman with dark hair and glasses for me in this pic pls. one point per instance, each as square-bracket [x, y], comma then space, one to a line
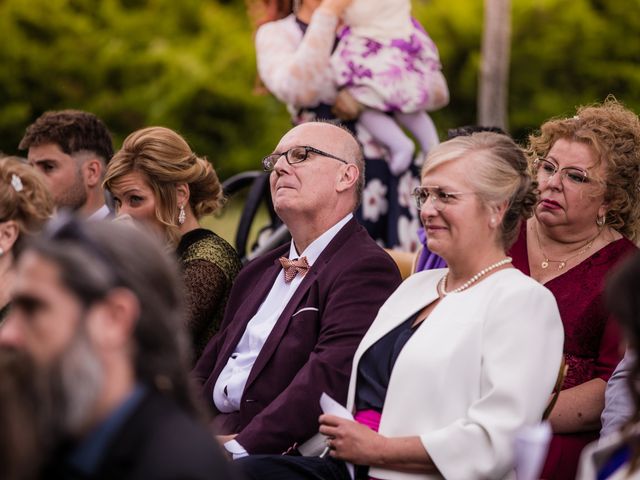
[587, 216]
[156, 179]
[458, 359]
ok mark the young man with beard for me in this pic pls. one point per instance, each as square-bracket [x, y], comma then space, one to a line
[98, 307]
[71, 148]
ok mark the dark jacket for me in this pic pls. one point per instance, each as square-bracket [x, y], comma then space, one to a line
[158, 441]
[311, 347]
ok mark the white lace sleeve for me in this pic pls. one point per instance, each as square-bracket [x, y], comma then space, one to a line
[295, 68]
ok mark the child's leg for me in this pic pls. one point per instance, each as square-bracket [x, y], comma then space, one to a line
[422, 127]
[384, 129]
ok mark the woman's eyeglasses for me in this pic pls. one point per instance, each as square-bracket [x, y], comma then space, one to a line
[547, 169]
[439, 198]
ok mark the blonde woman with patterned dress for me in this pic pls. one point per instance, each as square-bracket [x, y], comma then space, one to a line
[157, 180]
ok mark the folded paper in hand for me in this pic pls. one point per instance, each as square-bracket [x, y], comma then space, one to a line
[530, 446]
[317, 444]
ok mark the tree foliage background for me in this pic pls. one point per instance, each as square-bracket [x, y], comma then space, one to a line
[190, 65]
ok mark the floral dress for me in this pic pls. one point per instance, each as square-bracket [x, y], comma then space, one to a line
[294, 64]
[390, 75]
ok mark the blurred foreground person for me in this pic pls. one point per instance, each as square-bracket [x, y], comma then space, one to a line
[617, 456]
[97, 306]
[23, 437]
[25, 205]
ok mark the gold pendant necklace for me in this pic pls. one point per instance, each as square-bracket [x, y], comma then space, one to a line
[562, 263]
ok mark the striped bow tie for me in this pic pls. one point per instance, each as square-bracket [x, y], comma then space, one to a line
[294, 267]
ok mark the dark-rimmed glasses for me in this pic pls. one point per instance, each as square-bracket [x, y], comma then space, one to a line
[546, 169]
[439, 198]
[295, 155]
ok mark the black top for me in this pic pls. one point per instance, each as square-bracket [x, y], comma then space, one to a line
[157, 441]
[376, 364]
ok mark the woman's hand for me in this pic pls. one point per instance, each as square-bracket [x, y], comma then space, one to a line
[222, 439]
[334, 7]
[351, 441]
[346, 107]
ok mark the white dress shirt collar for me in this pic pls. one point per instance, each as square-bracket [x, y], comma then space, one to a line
[100, 214]
[315, 248]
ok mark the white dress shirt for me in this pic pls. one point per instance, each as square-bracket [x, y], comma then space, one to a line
[100, 214]
[227, 392]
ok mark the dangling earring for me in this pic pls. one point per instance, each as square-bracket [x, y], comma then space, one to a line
[600, 221]
[296, 6]
[182, 216]
[1, 251]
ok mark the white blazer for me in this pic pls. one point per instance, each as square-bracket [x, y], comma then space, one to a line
[481, 366]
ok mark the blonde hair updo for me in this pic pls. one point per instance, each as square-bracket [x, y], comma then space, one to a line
[166, 160]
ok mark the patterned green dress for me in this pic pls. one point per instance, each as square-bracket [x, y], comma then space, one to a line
[209, 265]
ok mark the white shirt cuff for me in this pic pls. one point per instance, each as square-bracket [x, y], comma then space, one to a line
[235, 449]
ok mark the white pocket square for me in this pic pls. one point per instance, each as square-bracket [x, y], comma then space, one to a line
[306, 309]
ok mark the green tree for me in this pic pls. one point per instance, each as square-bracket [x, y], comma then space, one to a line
[190, 65]
[564, 53]
[187, 65]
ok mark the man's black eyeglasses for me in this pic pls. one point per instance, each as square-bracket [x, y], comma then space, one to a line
[295, 155]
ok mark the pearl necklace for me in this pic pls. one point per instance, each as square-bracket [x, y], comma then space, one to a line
[563, 263]
[472, 280]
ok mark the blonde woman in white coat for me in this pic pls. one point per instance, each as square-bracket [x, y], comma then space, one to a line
[458, 359]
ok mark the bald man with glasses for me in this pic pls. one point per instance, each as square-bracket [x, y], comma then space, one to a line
[296, 314]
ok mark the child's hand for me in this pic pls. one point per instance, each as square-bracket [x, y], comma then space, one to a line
[346, 107]
[334, 7]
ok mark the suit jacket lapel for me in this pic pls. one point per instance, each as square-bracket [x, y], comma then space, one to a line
[245, 313]
[282, 324]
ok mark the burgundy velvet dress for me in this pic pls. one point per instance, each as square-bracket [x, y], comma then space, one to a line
[592, 338]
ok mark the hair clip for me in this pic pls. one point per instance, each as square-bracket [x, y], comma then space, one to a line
[16, 183]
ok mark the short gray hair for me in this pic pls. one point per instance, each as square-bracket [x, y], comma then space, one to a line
[499, 171]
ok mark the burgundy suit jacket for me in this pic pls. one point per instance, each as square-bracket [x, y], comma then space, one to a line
[311, 347]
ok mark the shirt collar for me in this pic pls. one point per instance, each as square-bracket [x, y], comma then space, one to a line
[100, 214]
[315, 248]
